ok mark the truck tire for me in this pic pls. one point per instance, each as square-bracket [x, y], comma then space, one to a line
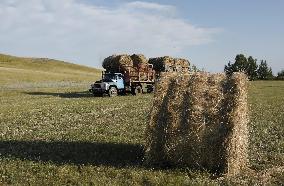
[150, 88]
[112, 92]
[137, 90]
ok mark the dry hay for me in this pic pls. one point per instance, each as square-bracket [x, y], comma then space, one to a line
[160, 63]
[139, 60]
[134, 66]
[199, 120]
[169, 64]
[117, 63]
[182, 65]
[120, 63]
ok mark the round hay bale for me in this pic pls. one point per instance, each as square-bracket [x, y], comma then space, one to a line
[161, 64]
[139, 60]
[117, 63]
[170, 64]
[182, 65]
[158, 64]
[199, 120]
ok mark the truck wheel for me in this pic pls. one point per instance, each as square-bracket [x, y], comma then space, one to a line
[112, 92]
[138, 90]
[150, 89]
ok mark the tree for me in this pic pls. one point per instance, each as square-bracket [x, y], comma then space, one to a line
[242, 64]
[280, 75]
[229, 69]
[239, 65]
[263, 71]
[251, 69]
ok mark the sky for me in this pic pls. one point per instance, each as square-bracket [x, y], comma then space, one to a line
[208, 33]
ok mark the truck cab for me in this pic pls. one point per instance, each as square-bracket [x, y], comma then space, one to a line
[111, 84]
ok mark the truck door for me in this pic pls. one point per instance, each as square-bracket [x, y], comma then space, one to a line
[120, 82]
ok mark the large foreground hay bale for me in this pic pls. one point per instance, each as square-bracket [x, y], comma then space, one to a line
[199, 120]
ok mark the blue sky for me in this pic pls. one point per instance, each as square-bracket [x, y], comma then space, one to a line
[209, 33]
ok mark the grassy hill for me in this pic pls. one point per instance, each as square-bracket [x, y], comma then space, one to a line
[31, 70]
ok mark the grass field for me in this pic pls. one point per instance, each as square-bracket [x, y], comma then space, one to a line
[56, 133]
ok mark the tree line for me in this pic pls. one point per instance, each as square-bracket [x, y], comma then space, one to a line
[252, 69]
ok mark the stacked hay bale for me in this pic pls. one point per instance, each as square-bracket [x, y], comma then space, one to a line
[157, 63]
[117, 63]
[169, 64]
[199, 120]
[182, 65]
[134, 66]
[140, 64]
[161, 64]
[139, 60]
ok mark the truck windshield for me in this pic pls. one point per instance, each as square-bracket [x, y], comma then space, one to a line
[108, 77]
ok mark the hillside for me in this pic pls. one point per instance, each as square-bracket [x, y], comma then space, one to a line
[30, 70]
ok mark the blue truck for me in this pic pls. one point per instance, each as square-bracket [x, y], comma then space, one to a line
[131, 79]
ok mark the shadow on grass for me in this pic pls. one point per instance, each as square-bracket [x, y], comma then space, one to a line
[62, 95]
[85, 94]
[78, 153]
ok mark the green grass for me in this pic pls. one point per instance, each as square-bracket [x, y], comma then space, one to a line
[267, 124]
[61, 135]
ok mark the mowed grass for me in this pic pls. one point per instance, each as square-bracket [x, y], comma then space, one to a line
[52, 136]
[58, 136]
[53, 132]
